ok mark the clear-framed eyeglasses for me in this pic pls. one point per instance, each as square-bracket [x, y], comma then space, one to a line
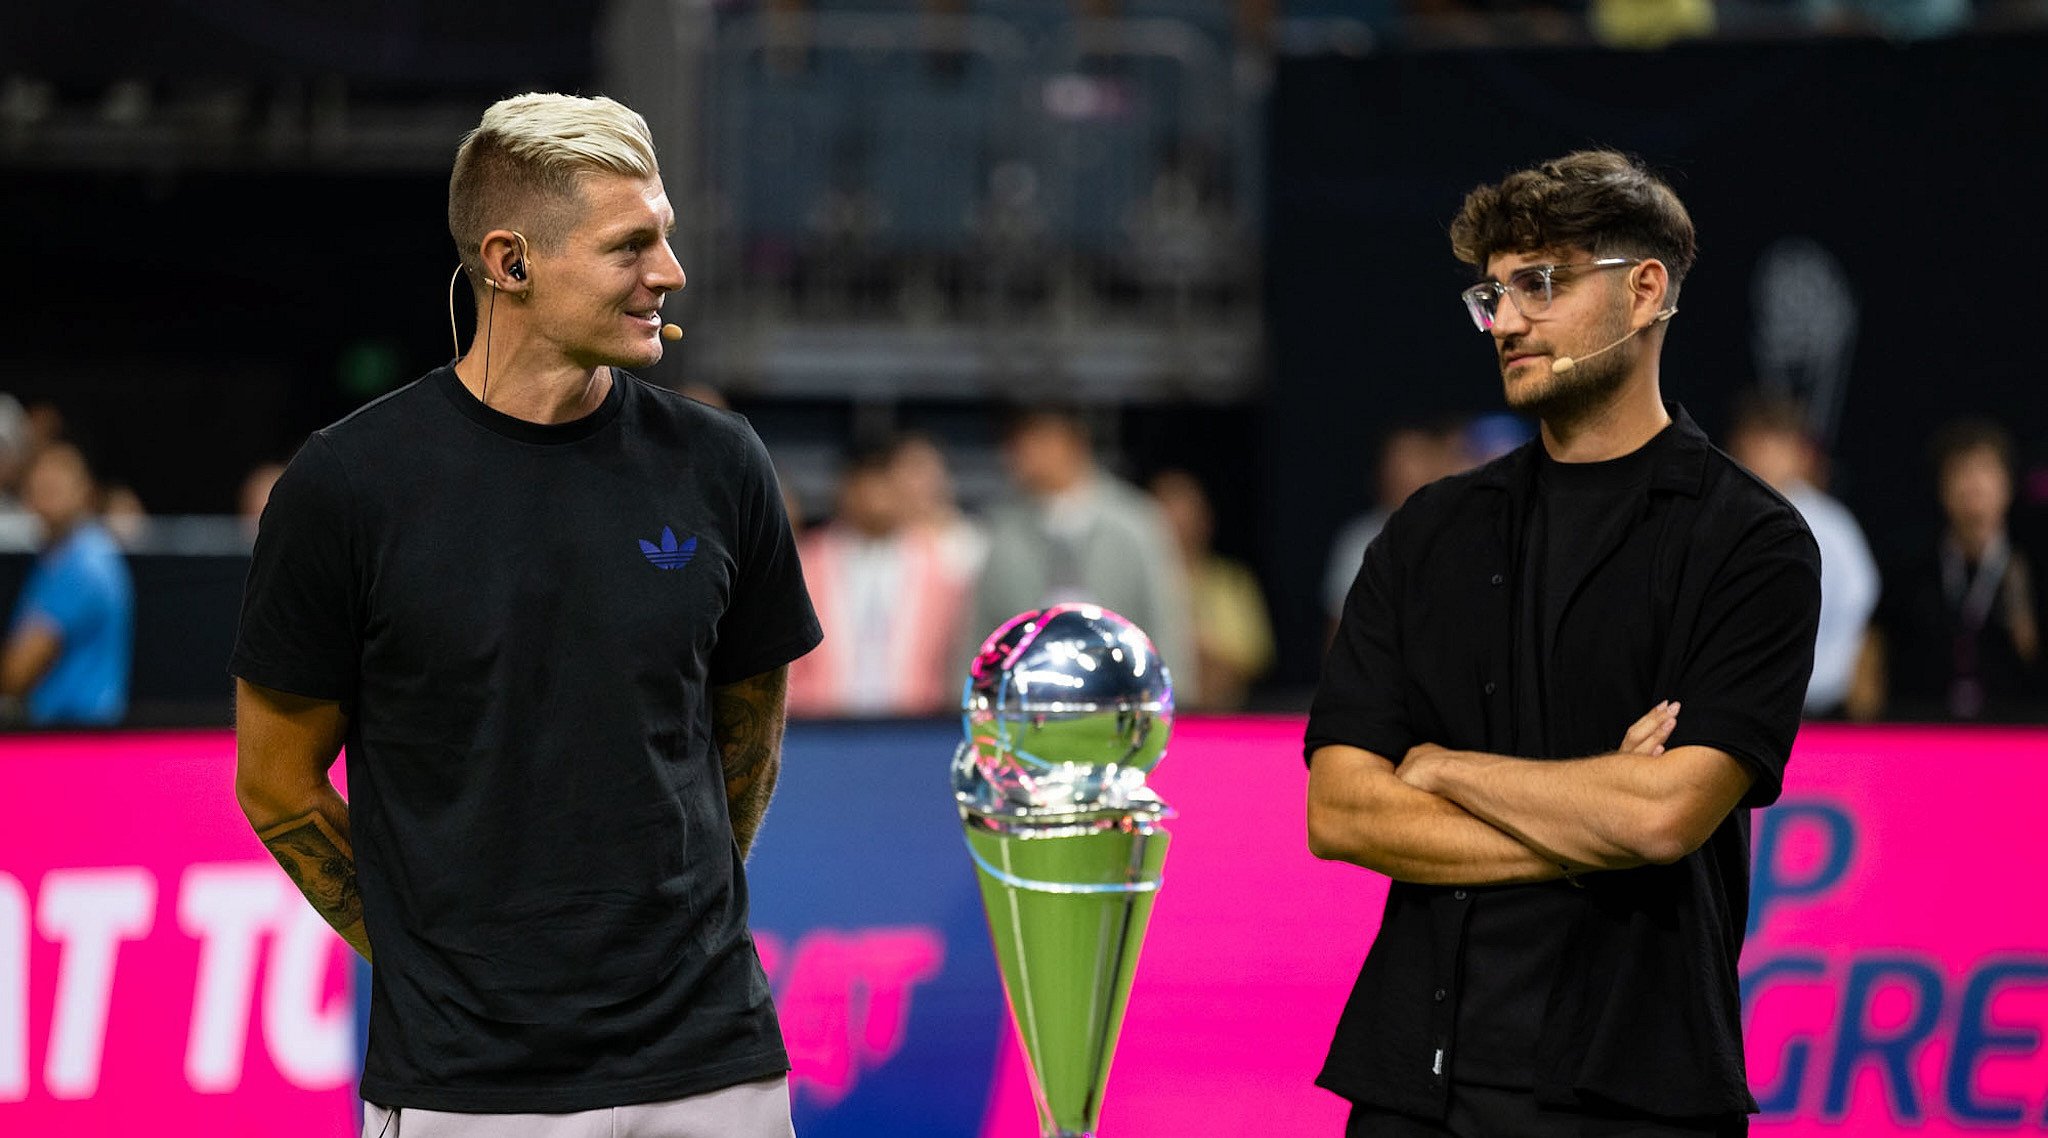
[1529, 290]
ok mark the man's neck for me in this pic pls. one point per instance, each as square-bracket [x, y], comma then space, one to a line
[1975, 540]
[57, 533]
[1069, 490]
[560, 392]
[1612, 429]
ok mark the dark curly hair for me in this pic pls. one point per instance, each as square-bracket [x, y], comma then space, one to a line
[1598, 200]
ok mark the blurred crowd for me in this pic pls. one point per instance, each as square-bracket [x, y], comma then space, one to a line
[908, 581]
[1650, 24]
[907, 584]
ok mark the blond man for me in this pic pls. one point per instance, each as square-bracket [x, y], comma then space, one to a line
[549, 609]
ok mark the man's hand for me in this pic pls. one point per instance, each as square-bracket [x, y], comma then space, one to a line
[1646, 735]
[1423, 762]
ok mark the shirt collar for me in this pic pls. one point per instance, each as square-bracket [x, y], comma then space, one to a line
[1681, 464]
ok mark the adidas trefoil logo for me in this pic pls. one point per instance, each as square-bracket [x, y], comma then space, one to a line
[669, 555]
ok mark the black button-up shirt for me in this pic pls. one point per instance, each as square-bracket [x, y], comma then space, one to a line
[1710, 595]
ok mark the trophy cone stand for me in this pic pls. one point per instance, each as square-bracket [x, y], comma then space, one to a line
[1068, 913]
[1066, 710]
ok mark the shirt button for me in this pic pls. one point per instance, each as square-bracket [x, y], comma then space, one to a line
[1497, 578]
[1460, 895]
[1491, 687]
[1440, 994]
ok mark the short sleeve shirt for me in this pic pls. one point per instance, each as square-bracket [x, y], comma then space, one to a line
[523, 623]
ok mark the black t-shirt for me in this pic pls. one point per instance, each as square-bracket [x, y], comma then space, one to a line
[522, 622]
[1580, 523]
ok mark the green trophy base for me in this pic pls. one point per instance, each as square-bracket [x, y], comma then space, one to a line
[1067, 908]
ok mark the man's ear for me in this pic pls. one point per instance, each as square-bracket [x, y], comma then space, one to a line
[503, 253]
[1652, 298]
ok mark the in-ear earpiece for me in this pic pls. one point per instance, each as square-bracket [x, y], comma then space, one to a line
[517, 270]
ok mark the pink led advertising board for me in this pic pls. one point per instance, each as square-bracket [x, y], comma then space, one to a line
[159, 975]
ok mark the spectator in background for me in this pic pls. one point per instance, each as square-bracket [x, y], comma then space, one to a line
[1233, 633]
[927, 488]
[17, 525]
[255, 494]
[1893, 19]
[889, 599]
[1961, 624]
[1411, 457]
[67, 655]
[1073, 532]
[121, 510]
[706, 394]
[1770, 439]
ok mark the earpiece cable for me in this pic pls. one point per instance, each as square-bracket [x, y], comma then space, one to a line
[454, 337]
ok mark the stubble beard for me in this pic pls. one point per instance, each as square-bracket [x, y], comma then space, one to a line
[1578, 394]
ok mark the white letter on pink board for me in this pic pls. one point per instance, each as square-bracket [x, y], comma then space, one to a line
[311, 1039]
[13, 989]
[227, 907]
[90, 911]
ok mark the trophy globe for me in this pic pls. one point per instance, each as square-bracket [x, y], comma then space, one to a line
[1066, 710]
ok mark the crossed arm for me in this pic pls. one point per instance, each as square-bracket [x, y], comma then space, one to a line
[747, 719]
[283, 746]
[1470, 818]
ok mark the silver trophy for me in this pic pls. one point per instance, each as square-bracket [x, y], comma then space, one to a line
[1065, 711]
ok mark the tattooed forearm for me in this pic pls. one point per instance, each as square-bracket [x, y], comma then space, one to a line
[319, 861]
[747, 720]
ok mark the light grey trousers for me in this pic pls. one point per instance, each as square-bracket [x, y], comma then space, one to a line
[750, 1110]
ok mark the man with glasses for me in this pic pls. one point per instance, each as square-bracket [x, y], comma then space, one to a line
[1558, 951]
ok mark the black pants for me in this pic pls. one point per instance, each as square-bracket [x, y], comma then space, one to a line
[1493, 1112]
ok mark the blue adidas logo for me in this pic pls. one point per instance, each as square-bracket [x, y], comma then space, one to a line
[669, 555]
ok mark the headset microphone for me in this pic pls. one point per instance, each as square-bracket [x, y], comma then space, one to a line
[671, 333]
[1564, 364]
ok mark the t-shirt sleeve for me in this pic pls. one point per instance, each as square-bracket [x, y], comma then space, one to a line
[769, 620]
[1744, 682]
[72, 599]
[1361, 700]
[301, 624]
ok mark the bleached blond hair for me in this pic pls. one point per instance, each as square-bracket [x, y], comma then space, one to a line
[520, 168]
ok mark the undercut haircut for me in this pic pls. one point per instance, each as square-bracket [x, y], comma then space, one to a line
[520, 168]
[1601, 201]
